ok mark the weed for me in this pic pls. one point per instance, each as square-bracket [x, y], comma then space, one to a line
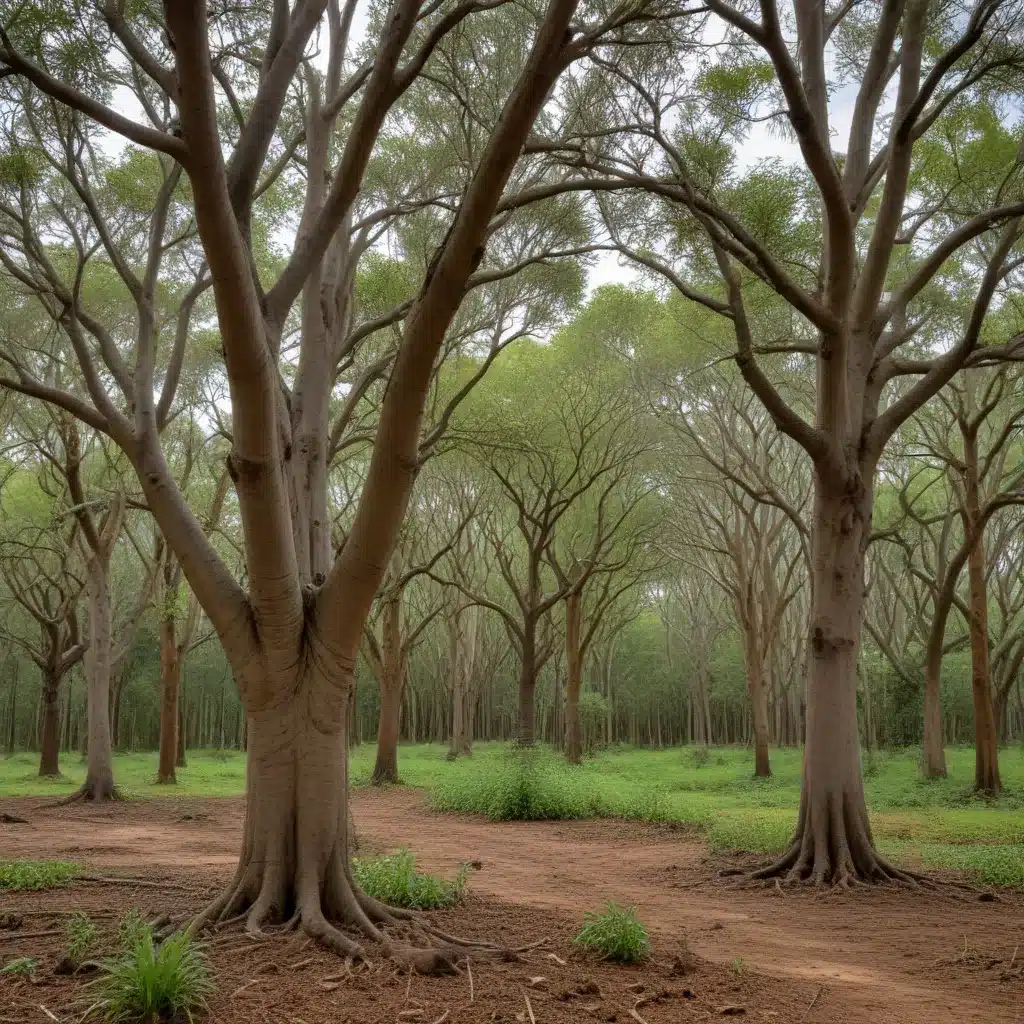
[395, 880]
[616, 933]
[700, 757]
[36, 874]
[146, 983]
[132, 929]
[23, 966]
[739, 968]
[82, 935]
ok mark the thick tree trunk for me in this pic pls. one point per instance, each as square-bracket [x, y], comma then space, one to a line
[573, 658]
[99, 775]
[833, 841]
[49, 730]
[463, 640]
[170, 675]
[934, 765]
[758, 693]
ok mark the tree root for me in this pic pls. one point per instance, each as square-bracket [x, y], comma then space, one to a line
[87, 794]
[328, 910]
[835, 848]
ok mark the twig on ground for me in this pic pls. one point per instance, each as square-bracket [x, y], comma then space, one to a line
[814, 1002]
[52, 1016]
[442, 1018]
[469, 970]
[529, 1007]
[636, 1016]
[241, 988]
[302, 963]
[1013, 958]
[30, 935]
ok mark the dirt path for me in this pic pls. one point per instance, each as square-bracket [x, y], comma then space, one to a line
[878, 956]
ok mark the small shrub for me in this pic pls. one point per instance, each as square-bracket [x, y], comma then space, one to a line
[23, 966]
[616, 933]
[395, 880]
[36, 874]
[147, 983]
[700, 757]
[82, 936]
[739, 968]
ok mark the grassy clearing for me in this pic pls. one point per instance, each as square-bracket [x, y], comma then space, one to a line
[394, 879]
[616, 933]
[36, 874]
[925, 824]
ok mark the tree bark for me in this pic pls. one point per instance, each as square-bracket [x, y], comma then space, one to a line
[99, 774]
[986, 739]
[758, 694]
[833, 841]
[527, 686]
[934, 748]
[49, 731]
[463, 659]
[170, 676]
[391, 672]
[573, 657]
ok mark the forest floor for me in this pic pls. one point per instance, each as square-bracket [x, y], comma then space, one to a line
[721, 947]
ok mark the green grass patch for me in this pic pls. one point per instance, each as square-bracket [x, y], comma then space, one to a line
[616, 933]
[36, 874]
[146, 982]
[82, 936]
[394, 879]
[23, 966]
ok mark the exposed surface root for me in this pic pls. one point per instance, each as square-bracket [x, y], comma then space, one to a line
[329, 910]
[833, 846]
[89, 793]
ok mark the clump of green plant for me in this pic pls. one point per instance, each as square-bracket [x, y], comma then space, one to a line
[23, 966]
[394, 879]
[81, 936]
[739, 968]
[132, 929]
[700, 757]
[616, 933]
[145, 983]
[36, 874]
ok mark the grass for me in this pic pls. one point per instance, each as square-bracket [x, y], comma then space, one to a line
[36, 874]
[394, 879]
[937, 824]
[23, 966]
[616, 933]
[82, 936]
[145, 982]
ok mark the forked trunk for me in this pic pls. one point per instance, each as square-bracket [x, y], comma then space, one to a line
[99, 773]
[986, 738]
[833, 841]
[573, 657]
[170, 675]
[49, 731]
[758, 693]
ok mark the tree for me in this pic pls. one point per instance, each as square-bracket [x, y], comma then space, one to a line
[292, 636]
[875, 269]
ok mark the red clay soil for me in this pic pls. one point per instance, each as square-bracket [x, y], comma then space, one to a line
[878, 955]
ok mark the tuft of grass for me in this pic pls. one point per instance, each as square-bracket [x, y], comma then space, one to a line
[739, 968]
[36, 874]
[23, 966]
[147, 983]
[700, 757]
[616, 933]
[394, 879]
[132, 929]
[82, 935]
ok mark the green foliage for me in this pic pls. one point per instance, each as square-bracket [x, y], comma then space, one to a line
[23, 966]
[146, 983]
[394, 880]
[36, 874]
[616, 933]
[82, 935]
[700, 757]
[523, 785]
[132, 929]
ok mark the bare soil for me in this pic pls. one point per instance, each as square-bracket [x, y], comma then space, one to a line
[884, 955]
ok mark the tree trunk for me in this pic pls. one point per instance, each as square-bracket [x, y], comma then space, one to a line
[833, 841]
[49, 731]
[11, 735]
[758, 694]
[99, 775]
[986, 739]
[573, 658]
[392, 686]
[463, 659]
[934, 749]
[170, 677]
[527, 687]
